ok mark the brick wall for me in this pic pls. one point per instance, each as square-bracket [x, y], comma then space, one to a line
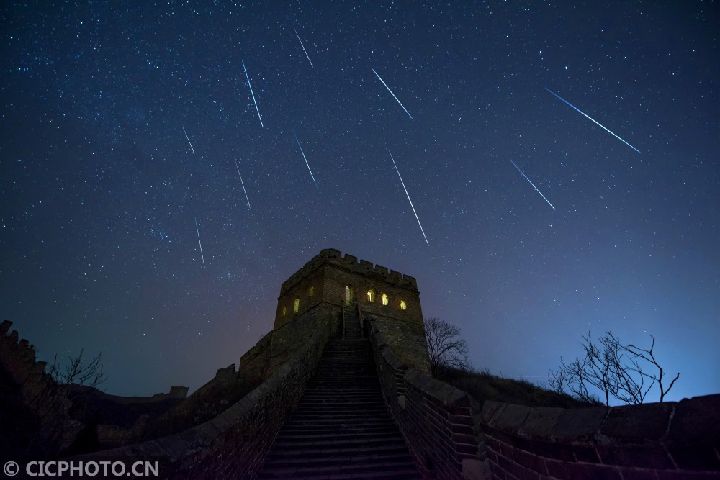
[435, 418]
[657, 441]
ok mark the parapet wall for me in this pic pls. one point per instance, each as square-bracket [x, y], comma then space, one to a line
[17, 357]
[234, 443]
[351, 264]
[658, 441]
[435, 418]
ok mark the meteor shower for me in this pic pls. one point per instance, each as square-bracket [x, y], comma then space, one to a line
[359, 239]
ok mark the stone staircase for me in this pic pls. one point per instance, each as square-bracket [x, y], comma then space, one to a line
[341, 428]
[351, 322]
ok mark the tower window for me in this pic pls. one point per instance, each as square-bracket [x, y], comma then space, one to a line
[296, 305]
[284, 310]
[311, 291]
[384, 299]
[403, 305]
[371, 296]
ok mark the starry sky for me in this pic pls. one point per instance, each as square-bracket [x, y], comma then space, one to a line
[126, 127]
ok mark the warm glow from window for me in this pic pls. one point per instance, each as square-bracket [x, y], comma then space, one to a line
[348, 295]
[371, 296]
[403, 305]
[384, 299]
[296, 305]
[311, 291]
[284, 311]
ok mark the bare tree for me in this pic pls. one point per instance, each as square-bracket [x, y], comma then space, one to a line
[648, 356]
[51, 402]
[615, 370]
[76, 371]
[445, 347]
[571, 378]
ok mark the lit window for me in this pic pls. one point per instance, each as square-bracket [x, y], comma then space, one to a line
[296, 305]
[371, 296]
[348, 295]
[284, 311]
[384, 298]
[403, 305]
[311, 291]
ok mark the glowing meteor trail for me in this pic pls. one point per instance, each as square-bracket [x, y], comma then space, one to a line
[303, 47]
[197, 229]
[247, 77]
[590, 118]
[408, 197]
[243, 185]
[532, 184]
[306, 161]
[188, 140]
[391, 93]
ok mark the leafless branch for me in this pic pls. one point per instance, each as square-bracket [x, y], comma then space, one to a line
[445, 347]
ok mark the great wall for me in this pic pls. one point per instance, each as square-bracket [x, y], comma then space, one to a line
[341, 388]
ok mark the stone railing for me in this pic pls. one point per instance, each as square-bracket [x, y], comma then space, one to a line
[234, 443]
[435, 418]
[659, 441]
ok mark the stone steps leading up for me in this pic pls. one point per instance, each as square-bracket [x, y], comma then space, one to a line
[341, 428]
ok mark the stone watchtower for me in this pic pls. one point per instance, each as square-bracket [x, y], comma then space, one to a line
[353, 293]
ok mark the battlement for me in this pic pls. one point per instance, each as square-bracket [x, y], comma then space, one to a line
[17, 355]
[350, 263]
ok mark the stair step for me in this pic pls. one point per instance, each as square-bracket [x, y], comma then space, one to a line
[336, 443]
[336, 436]
[335, 429]
[341, 428]
[371, 468]
[339, 461]
[310, 452]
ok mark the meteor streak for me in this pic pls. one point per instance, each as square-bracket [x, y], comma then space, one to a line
[391, 93]
[532, 184]
[590, 118]
[243, 185]
[303, 47]
[306, 161]
[408, 197]
[247, 77]
[188, 140]
[197, 229]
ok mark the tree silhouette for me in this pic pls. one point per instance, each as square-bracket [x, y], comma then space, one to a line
[616, 370]
[445, 347]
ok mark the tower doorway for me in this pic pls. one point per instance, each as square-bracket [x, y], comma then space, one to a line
[349, 295]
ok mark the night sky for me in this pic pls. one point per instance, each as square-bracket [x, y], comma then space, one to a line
[125, 128]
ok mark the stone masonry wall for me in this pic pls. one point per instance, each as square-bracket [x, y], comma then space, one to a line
[40, 394]
[657, 441]
[17, 358]
[323, 280]
[435, 418]
[234, 443]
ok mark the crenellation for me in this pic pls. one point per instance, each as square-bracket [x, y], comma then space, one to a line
[353, 265]
[380, 270]
[395, 277]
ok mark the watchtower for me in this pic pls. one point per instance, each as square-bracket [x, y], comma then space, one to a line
[338, 287]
